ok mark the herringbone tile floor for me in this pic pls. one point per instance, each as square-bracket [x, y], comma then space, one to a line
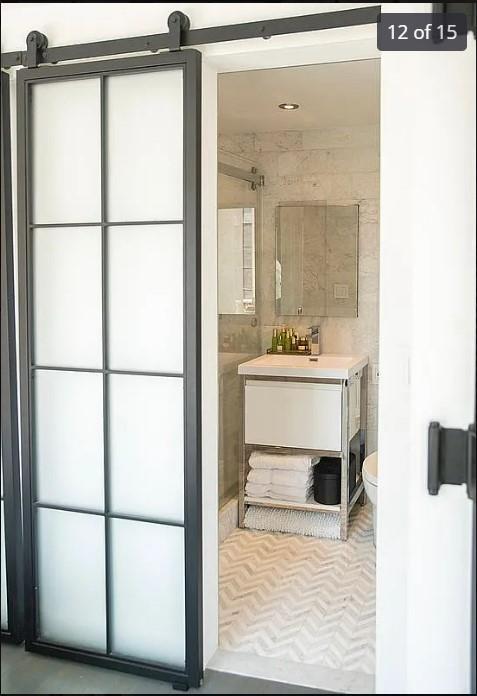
[300, 598]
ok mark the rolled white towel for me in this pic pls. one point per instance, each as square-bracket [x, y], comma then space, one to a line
[285, 477]
[263, 476]
[292, 462]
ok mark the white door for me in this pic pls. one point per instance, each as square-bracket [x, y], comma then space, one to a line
[427, 347]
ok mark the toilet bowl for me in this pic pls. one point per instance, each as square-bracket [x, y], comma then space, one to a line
[370, 478]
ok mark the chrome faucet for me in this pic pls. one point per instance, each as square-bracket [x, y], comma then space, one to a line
[314, 339]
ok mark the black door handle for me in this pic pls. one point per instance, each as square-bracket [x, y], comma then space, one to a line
[451, 458]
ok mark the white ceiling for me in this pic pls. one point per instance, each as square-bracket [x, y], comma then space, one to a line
[330, 95]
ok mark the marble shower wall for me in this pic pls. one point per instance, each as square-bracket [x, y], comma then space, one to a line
[339, 166]
[239, 340]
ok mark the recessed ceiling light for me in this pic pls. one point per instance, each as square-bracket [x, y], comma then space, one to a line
[289, 107]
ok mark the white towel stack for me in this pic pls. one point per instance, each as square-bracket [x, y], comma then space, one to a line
[280, 476]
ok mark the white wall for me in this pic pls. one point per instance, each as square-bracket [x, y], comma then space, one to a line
[426, 314]
[427, 345]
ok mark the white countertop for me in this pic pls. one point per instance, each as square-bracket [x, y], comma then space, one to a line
[325, 366]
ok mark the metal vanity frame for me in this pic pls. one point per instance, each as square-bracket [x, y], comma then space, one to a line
[346, 503]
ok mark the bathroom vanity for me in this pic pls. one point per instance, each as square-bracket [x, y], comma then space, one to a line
[306, 404]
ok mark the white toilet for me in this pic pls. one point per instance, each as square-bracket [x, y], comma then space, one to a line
[370, 478]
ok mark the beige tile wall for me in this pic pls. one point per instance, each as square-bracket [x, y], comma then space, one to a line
[339, 166]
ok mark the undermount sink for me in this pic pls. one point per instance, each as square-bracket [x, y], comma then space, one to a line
[325, 366]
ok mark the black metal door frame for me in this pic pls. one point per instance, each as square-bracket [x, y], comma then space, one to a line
[190, 63]
[9, 402]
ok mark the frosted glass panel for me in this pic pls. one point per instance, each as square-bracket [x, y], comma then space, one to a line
[145, 298]
[69, 438]
[66, 150]
[4, 603]
[67, 296]
[147, 446]
[145, 144]
[71, 579]
[148, 605]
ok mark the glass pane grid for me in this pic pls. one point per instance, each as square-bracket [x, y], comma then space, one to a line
[137, 577]
[105, 371]
[72, 606]
[65, 152]
[145, 174]
[42, 508]
[102, 223]
[109, 515]
[145, 306]
[69, 439]
[66, 308]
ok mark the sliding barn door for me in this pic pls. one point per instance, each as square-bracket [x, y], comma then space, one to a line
[110, 381]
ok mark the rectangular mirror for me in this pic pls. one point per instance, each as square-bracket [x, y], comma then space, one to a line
[317, 259]
[236, 262]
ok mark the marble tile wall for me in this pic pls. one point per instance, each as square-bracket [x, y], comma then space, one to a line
[339, 166]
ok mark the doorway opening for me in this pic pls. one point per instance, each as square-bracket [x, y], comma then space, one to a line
[298, 270]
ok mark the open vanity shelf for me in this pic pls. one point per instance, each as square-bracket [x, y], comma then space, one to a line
[310, 506]
[296, 406]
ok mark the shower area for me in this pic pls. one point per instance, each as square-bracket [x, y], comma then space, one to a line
[240, 188]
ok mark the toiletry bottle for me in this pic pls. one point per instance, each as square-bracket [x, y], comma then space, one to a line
[280, 342]
[274, 341]
[288, 341]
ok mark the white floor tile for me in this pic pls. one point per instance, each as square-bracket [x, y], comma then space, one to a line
[301, 599]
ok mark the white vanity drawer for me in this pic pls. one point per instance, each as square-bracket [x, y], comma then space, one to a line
[293, 414]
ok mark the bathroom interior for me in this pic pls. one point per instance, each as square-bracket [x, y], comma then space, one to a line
[298, 272]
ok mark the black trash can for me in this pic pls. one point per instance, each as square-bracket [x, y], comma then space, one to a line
[352, 475]
[327, 481]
